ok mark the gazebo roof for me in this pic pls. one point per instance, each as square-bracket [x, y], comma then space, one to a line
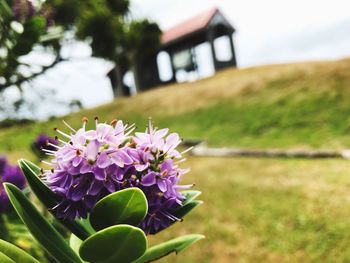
[192, 25]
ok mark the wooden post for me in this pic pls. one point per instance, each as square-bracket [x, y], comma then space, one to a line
[116, 79]
[173, 79]
[211, 39]
[234, 60]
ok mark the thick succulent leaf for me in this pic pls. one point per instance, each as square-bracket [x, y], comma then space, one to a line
[44, 194]
[5, 259]
[185, 209]
[36, 169]
[44, 233]
[14, 253]
[174, 245]
[190, 195]
[188, 204]
[75, 243]
[122, 244]
[128, 206]
[49, 198]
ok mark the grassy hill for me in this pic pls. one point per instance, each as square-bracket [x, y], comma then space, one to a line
[296, 105]
[255, 210]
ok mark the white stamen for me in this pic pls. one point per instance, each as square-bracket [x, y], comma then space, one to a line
[149, 128]
[129, 132]
[184, 186]
[129, 127]
[61, 141]
[48, 151]
[63, 134]
[68, 126]
[49, 154]
[180, 161]
[53, 145]
[187, 150]
[45, 162]
[85, 121]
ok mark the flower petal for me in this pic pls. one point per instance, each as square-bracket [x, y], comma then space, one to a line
[149, 179]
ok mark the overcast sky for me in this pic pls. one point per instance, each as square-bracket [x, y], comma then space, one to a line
[269, 31]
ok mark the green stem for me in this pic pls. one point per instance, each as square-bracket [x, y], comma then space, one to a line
[4, 233]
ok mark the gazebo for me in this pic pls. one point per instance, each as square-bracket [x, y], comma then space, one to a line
[179, 44]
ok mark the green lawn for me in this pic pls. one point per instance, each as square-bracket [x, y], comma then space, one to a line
[282, 106]
[268, 210]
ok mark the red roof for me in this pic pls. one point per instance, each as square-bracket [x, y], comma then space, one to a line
[189, 26]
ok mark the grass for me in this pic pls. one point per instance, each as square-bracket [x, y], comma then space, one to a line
[283, 106]
[256, 210]
[268, 210]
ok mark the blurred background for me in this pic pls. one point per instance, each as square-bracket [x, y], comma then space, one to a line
[265, 33]
[260, 88]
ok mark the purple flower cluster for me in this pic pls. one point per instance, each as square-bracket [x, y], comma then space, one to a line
[95, 163]
[10, 174]
[23, 10]
[42, 142]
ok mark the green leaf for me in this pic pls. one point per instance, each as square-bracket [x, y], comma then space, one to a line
[5, 9]
[34, 168]
[75, 243]
[15, 254]
[185, 209]
[188, 204]
[190, 195]
[122, 244]
[44, 194]
[5, 259]
[37, 23]
[49, 198]
[128, 206]
[44, 233]
[175, 245]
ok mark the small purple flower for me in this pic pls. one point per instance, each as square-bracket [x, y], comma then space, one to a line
[44, 142]
[14, 175]
[10, 174]
[22, 10]
[95, 163]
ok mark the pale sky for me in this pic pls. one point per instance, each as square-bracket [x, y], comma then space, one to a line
[269, 31]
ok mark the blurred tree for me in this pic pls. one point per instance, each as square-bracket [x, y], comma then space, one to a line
[116, 37]
[27, 25]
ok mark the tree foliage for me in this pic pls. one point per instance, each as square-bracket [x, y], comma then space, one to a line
[106, 25]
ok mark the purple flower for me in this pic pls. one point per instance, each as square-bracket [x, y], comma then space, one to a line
[22, 10]
[95, 163]
[88, 167]
[160, 179]
[44, 142]
[10, 174]
[156, 140]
